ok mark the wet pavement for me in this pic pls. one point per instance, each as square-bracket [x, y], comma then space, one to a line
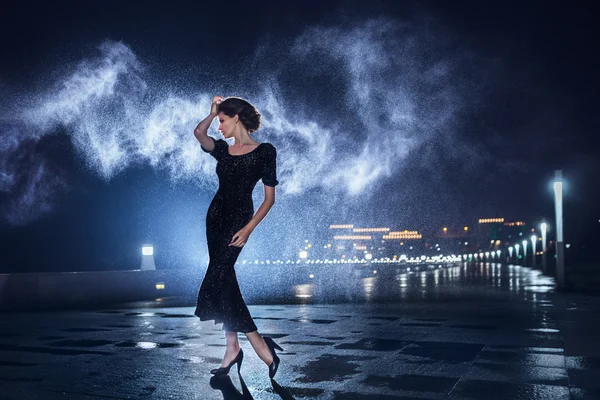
[481, 331]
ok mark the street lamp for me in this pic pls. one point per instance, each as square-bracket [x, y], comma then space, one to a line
[560, 250]
[533, 244]
[544, 227]
[517, 252]
[148, 258]
[510, 251]
[524, 252]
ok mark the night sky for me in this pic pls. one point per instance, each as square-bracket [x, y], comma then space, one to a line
[412, 115]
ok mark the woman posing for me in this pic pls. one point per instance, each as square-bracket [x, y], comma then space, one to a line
[229, 222]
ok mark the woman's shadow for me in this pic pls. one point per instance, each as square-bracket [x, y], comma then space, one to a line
[230, 392]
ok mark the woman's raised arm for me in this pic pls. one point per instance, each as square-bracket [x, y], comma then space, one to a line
[201, 131]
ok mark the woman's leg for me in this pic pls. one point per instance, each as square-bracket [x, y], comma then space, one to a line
[260, 347]
[233, 347]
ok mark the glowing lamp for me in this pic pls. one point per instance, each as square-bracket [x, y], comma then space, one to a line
[148, 258]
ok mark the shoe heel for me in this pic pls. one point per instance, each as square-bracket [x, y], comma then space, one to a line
[239, 363]
[272, 344]
[225, 370]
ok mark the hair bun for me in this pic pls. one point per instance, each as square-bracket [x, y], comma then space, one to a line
[250, 117]
[248, 114]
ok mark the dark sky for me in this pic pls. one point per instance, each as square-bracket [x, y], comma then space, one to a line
[516, 98]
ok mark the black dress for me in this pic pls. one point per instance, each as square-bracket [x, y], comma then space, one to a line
[219, 298]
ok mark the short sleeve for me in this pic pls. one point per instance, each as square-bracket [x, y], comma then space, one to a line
[220, 147]
[269, 175]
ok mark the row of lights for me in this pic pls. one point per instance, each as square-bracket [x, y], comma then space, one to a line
[534, 239]
[491, 220]
[351, 237]
[481, 255]
[367, 259]
[371, 230]
[403, 235]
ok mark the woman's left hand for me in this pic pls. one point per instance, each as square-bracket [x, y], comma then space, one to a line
[240, 238]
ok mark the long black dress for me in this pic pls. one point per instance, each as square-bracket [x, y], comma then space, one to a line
[219, 298]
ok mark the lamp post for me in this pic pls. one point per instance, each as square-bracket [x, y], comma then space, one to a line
[510, 251]
[148, 258]
[544, 230]
[560, 249]
[533, 245]
[524, 252]
[517, 252]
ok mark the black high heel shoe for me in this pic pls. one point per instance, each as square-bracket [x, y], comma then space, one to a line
[225, 370]
[275, 364]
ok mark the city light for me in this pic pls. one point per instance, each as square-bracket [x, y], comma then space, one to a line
[351, 237]
[491, 220]
[350, 226]
[403, 235]
[517, 223]
[371, 230]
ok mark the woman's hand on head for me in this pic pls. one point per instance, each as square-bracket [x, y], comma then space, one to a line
[215, 102]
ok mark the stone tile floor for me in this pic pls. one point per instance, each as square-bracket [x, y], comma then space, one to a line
[472, 340]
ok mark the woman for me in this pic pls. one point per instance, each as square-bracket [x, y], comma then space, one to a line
[229, 222]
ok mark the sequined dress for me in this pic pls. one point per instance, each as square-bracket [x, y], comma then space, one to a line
[219, 297]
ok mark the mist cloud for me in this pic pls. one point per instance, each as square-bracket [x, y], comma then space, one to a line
[402, 88]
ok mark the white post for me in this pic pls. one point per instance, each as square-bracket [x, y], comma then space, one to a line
[533, 249]
[524, 252]
[148, 258]
[560, 249]
[544, 261]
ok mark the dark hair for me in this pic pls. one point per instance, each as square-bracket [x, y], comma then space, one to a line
[248, 114]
